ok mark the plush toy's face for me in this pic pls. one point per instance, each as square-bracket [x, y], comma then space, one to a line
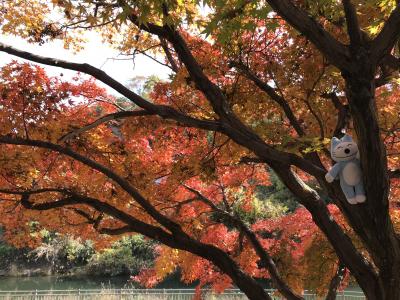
[344, 149]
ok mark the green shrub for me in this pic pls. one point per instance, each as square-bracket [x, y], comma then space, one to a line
[63, 252]
[127, 256]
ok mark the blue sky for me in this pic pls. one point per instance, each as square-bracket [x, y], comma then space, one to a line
[95, 53]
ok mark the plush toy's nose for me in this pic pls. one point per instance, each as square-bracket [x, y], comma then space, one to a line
[347, 151]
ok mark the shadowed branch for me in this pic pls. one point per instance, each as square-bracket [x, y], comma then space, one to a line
[353, 27]
[335, 51]
[387, 37]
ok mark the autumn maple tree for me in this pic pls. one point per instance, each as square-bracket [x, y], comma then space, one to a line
[254, 86]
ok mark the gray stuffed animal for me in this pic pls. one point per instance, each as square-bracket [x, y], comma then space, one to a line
[344, 152]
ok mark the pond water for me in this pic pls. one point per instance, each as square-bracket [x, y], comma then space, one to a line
[61, 283]
[75, 283]
[66, 283]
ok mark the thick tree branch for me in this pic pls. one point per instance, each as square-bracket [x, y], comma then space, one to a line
[37, 191]
[169, 56]
[353, 27]
[340, 241]
[71, 198]
[384, 247]
[74, 199]
[343, 118]
[212, 92]
[335, 282]
[230, 123]
[163, 111]
[147, 26]
[335, 52]
[232, 126]
[387, 37]
[265, 258]
[251, 160]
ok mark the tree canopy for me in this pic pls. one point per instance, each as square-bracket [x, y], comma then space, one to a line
[253, 85]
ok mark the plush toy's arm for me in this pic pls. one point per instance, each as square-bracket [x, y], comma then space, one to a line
[333, 172]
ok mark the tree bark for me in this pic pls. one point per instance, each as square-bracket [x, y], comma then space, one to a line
[344, 248]
[335, 282]
[379, 235]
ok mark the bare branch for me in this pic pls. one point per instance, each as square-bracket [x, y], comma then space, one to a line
[104, 119]
[102, 230]
[316, 117]
[270, 91]
[143, 52]
[353, 27]
[343, 118]
[309, 93]
[169, 56]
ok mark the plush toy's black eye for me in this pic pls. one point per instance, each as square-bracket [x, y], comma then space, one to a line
[347, 151]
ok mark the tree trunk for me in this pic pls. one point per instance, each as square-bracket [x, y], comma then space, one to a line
[375, 227]
[342, 244]
[335, 282]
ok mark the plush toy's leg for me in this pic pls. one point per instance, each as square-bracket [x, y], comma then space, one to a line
[349, 192]
[360, 193]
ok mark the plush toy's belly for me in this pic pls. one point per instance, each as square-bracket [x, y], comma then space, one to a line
[351, 174]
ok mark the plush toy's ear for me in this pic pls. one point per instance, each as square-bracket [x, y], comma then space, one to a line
[335, 141]
[347, 138]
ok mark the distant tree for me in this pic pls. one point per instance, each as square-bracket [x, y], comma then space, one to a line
[278, 194]
[127, 256]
